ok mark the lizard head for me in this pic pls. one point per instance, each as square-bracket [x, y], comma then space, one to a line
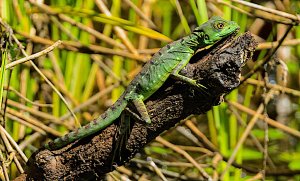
[215, 29]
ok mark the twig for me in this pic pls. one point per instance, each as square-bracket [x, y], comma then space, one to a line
[268, 57]
[185, 154]
[62, 28]
[18, 164]
[90, 101]
[166, 172]
[98, 60]
[97, 34]
[204, 139]
[197, 149]
[33, 56]
[12, 141]
[182, 17]
[77, 46]
[3, 166]
[141, 14]
[34, 122]
[254, 139]
[125, 171]
[60, 86]
[26, 99]
[254, 15]
[38, 113]
[172, 164]
[9, 150]
[269, 10]
[269, 45]
[274, 87]
[56, 68]
[156, 169]
[38, 70]
[119, 31]
[266, 129]
[246, 133]
[28, 124]
[271, 122]
[33, 137]
[258, 176]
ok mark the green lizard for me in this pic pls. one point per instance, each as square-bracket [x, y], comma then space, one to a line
[168, 61]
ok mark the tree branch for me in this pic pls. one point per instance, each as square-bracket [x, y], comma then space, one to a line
[216, 68]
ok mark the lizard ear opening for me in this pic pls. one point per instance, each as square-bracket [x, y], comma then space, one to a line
[206, 37]
[199, 32]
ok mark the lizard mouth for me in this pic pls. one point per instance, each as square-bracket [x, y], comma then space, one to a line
[232, 33]
[221, 43]
[227, 39]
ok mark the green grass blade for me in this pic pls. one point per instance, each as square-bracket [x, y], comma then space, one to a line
[4, 60]
[183, 20]
[195, 11]
[202, 8]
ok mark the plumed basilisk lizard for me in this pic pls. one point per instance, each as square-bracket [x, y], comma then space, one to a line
[168, 61]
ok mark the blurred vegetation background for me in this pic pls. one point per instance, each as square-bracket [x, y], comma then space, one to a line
[105, 44]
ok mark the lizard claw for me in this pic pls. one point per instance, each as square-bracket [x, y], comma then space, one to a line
[202, 88]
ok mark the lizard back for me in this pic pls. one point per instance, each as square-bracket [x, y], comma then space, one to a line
[157, 70]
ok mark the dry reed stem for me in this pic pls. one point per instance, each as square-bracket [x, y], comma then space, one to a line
[196, 131]
[156, 169]
[118, 30]
[33, 121]
[33, 56]
[185, 154]
[15, 145]
[78, 47]
[25, 123]
[274, 87]
[270, 121]
[269, 45]
[90, 101]
[26, 99]
[249, 127]
[254, 139]
[20, 46]
[269, 10]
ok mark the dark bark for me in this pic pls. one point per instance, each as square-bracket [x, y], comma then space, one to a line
[94, 156]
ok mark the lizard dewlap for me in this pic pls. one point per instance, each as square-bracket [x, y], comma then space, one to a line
[168, 61]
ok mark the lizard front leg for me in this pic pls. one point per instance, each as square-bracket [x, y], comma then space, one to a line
[175, 74]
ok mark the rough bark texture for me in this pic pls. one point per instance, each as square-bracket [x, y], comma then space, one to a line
[93, 157]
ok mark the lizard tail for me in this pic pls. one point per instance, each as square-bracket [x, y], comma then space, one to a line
[94, 126]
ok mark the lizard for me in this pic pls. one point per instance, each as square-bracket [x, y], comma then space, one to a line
[167, 62]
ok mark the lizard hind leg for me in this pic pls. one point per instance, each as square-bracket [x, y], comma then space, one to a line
[141, 107]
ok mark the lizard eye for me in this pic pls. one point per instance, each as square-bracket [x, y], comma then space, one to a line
[220, 25]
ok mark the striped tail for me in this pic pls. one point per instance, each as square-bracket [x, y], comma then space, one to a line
[94, 126]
